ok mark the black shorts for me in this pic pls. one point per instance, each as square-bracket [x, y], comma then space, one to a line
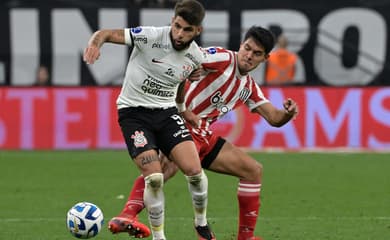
[145, 129]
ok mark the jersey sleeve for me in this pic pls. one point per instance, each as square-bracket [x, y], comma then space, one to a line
[214, 57]
[140, 36]
[257, 97]
[210, 54]
[128, 37]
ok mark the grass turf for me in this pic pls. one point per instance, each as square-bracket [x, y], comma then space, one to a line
[305, 196]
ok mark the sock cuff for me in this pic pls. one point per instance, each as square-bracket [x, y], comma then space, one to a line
[245, 188]
[156, 178]
[199, 175]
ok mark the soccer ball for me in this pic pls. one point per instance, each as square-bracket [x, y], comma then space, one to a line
[84, 220]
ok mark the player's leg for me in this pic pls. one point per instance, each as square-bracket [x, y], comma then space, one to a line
[135, 201]
[197, 180]
[182, 154]
[138, 139]
[149, 164]
[233, 161]
[182, 151]
[136, 125]
[127, 220]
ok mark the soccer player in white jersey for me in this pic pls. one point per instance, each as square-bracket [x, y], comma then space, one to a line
[225, 86]
[162, 58]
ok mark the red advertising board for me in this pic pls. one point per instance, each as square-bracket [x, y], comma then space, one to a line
[85, 118]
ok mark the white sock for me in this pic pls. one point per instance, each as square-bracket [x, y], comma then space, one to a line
[154, 203]
[198, 185]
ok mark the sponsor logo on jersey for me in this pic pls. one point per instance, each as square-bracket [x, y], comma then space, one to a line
[139, 139]
[141, 38]
[136, 30]
[156, 61]
[154, 87]
[211, 50]
[160, 45]
[218, 102]
[192, 58]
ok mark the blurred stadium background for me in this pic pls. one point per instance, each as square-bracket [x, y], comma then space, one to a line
[343, 56]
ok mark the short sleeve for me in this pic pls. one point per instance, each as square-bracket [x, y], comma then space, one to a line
[128, 37]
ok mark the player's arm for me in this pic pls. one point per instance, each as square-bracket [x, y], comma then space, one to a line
[278, 117]
[92, 51]
[187, 114]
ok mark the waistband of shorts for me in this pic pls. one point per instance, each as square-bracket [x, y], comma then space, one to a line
[140, 108]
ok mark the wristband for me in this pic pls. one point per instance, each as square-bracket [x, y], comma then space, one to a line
[181, 107]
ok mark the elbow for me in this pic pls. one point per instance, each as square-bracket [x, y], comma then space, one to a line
[276, 124]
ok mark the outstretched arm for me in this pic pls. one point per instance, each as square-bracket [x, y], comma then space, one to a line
[278, 117]
[92, 51]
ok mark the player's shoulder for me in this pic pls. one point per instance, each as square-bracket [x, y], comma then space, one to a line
[215, 50]
[194, 53]
[213, 54]
[149, 36]
[149, 30]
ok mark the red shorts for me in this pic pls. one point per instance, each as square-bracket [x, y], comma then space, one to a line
[208, 147]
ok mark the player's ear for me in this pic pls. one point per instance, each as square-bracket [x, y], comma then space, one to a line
[241, 45]
[199, 30]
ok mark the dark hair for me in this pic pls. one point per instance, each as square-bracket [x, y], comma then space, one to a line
[190, 10]
[263, 36]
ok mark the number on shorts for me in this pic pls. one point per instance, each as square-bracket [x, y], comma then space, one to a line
[178, 119]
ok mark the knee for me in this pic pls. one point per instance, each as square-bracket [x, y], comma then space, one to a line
[193, 172]
[154, 180]
[198, 179]
[259, 169]
[255, 172]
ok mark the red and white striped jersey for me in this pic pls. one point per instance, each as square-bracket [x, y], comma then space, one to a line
[222, 89]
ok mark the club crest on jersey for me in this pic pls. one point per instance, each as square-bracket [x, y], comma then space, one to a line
[187, 69]
[139, 139]
[136, 30]
[244, 94]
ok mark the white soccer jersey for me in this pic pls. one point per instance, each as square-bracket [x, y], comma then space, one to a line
[222, 89]
[155, 68]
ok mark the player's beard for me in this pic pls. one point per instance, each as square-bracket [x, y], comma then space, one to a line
[182, 46]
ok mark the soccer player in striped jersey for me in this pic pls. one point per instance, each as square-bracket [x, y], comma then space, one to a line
[225, 85]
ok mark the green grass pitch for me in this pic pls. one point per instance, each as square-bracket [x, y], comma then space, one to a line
[305, 196]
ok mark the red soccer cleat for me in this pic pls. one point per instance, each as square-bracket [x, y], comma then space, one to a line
[130, 225]
[205, 233]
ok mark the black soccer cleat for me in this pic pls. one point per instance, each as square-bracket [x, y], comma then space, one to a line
[205, 232]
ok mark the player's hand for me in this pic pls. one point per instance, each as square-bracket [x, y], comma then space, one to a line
[195, 75]
[191, 118]
[91, 54]
[291, 107]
